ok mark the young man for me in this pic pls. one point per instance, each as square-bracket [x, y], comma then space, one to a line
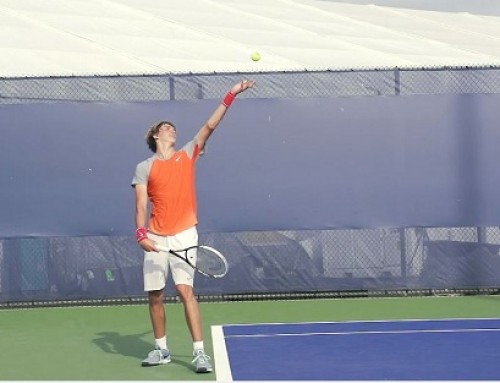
[167, 181]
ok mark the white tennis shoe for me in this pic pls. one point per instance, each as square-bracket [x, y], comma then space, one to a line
[201, 362]
[157, 357]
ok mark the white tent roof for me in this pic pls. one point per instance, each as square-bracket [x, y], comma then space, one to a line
[85, 37]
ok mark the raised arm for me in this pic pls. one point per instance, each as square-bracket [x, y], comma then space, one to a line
[208, 128]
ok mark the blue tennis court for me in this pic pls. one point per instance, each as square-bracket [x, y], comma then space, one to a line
[450, 349]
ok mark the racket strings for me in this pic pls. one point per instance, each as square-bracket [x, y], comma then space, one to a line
[210, 262]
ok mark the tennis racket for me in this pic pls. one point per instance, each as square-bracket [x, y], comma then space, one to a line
[204, 259]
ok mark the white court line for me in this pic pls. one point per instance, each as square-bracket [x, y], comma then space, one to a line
[364, 321]
[367, 332]
[221, 359]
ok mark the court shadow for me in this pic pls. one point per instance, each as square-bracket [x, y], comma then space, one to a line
[182, 360]
[131, 345]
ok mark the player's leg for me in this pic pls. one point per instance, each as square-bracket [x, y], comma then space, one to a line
[183, 276]
[191, 311]
[155, 271]
[157, 313]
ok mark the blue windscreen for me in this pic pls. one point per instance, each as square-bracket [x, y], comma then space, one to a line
[274, 164]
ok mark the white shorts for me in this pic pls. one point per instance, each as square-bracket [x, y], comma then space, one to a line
[157, 265]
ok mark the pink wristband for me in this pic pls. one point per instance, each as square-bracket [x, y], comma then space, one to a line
[228, 100]
[141, 234]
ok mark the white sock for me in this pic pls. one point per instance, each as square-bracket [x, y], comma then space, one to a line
[197, 346]
[162, 343]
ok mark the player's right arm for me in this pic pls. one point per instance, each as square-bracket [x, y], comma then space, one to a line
[141, 214]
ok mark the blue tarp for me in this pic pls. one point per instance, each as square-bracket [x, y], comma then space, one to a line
[319, 163]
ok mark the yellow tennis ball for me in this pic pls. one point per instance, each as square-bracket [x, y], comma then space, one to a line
[255, 56]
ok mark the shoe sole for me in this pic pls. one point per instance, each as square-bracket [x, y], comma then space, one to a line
[146, 364]
[203, 370]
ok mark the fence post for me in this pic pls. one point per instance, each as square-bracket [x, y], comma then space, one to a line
[402, 248]
[481, 235]
[171, 85]
[397, 82]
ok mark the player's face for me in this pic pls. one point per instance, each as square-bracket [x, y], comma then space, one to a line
[167, 133]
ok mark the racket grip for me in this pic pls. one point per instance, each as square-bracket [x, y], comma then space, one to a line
[141, 234]
[228, 100]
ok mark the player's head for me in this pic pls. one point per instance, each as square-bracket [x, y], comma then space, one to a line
[153, 133]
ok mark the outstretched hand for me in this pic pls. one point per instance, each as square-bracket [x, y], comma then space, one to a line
[242, 86]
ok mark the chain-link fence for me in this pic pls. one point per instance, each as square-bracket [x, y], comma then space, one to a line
[263, 263]
[383, 82]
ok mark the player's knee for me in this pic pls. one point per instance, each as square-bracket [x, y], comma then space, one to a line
[185, 292]
[155, 298]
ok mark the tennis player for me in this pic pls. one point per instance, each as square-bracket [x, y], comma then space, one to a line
[166, 181]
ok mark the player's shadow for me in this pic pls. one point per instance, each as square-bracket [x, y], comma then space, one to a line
[131, 345]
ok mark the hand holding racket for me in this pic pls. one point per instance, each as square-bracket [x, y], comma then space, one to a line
[204, 259]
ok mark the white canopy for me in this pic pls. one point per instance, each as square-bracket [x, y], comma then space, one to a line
[87, 37]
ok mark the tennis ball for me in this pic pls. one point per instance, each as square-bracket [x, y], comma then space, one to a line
[255, 56]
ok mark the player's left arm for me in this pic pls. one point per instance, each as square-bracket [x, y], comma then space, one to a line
[209, 127]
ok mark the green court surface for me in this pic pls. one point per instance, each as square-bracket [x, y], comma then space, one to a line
[108, 343]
